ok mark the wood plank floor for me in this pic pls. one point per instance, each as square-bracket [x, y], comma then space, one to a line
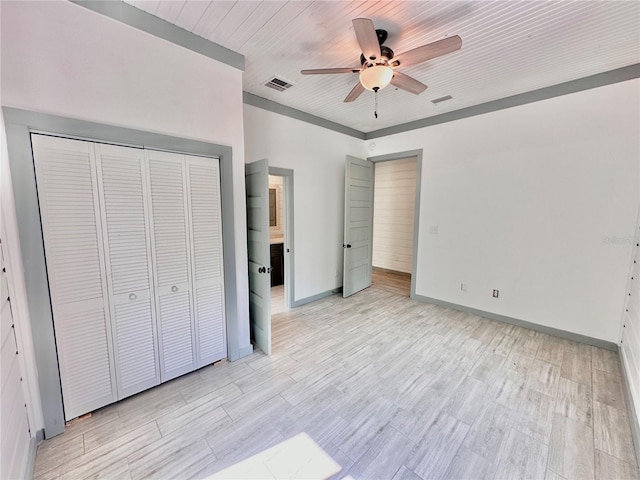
[391, 388]
[391, 281]
[277, 300]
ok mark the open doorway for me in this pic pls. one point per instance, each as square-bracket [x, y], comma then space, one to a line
[394, 203]
[359, 220]
[394, 256]
[277, 235]
[281, 238]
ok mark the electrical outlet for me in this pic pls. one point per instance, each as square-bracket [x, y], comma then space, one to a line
[433, 229]
[496, 293]
[463, 287]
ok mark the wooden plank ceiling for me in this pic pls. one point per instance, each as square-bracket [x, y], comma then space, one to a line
[508, 47]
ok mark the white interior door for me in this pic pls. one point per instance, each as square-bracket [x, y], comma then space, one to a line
[257, 186]
[70, 213]
[358, 225]
[122, 187]
[133, 243]
[205, 218]
[170, 247]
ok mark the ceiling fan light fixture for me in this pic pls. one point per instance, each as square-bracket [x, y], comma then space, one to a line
[378, 61]
[376, 77]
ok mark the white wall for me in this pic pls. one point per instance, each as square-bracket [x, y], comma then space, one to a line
[14, 424]
[525, 200]
[630, 337]
[63, 59]
[393, 214]
[317, 157]
[27, 412]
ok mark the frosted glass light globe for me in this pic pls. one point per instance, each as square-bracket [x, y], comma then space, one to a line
[376, 77]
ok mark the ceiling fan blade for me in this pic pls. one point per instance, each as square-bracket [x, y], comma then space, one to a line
[367, 38]
[354, 93]
[320, 71]
[429, 51]
[405, 82]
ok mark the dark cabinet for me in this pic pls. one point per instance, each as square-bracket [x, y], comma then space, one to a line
[277, 264]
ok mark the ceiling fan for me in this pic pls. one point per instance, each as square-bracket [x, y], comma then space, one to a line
[379, 63]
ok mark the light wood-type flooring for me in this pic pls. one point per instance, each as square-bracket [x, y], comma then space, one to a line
[277, 300]
[391, 281]
[391, 388]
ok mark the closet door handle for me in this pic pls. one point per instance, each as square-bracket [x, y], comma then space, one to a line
[174, 288]
[132, 296]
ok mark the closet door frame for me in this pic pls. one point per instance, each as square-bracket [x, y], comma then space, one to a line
[19, 124]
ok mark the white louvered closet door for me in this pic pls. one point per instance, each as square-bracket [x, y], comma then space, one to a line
[170, 251]
[121, 179]
[68, 197]
[206, 237]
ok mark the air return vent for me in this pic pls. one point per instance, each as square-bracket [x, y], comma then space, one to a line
[436, 101]
[278, 84]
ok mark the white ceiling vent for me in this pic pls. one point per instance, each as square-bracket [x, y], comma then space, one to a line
[436, 101]
[278, 84]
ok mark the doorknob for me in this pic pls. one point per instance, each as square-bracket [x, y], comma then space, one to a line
[348, 245]
[262, 270]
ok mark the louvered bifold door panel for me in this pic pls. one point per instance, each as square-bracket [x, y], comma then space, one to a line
[172, 263]
[69, 211]
[128, 261]
[206, 237]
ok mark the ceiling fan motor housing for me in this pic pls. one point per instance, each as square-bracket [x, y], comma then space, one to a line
[385, 54]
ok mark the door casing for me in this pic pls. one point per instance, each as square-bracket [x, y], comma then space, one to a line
[416, 218]
[289, 250]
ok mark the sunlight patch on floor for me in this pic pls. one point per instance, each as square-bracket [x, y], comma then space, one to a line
[296, 458]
